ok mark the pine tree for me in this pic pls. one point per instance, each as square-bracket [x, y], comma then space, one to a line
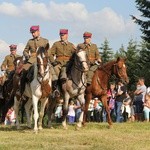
[144, 7]
[121, 52]
[107, 53]
[132, 55]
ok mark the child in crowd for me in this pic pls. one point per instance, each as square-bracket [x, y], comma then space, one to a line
[71, 112]
[59, 112]
[111, 94]
[10, 118]
[146, 109]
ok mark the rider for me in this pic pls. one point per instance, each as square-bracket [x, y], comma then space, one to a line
[8, 63]
[92, 53]
[61, 50]
[30, 52]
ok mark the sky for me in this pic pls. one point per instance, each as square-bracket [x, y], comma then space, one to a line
[106, 19]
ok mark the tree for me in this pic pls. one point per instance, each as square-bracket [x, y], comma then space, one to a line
[121, 52]
[144, 62]
[107, 53]
[132, 55]
[144, 7]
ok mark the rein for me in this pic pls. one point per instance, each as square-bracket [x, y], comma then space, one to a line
[77, 66]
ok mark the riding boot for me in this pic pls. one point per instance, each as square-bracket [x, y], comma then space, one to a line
[54, 85]
[23, 81]
[63, 81]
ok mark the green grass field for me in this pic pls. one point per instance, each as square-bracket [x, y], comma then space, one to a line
[95, 136]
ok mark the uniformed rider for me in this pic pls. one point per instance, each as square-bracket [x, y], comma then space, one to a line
[60, 54]
[92, 54]
[30, 52]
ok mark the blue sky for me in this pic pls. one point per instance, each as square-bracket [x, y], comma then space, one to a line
[104, 18]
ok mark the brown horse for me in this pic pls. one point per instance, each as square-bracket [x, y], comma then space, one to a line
[100, 80]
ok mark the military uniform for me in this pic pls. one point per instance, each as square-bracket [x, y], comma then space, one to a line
[8, 63]
[63, 52]
[30, 50]
[93, 55]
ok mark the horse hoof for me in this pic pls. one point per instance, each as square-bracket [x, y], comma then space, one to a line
[35, 131]
[40, 128]
[110, 127]
[77, 128]
[65, 128]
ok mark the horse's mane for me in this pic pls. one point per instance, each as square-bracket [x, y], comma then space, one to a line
[107, 64]
[71, 62]
[41, 50]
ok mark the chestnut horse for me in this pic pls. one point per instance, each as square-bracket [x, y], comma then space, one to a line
[98, 87]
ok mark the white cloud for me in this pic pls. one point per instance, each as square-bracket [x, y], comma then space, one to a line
[104, 22]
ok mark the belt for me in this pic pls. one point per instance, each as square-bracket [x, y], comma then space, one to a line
[33, 54]
[92, 58]
[63, 57]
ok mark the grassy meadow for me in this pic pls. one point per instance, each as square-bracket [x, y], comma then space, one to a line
[95, 136]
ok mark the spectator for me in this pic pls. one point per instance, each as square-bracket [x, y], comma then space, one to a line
[71, 112]
[126, 108]
[10, 118]
[139, 99]
[121, 95]
[111, 102]
[97, 109]
[146, 109]
[90, 114]
[59, 112]
[77, 111]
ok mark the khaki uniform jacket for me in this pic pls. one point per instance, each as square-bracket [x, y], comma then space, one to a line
[8, 63]
[92, 51]
[62, 51]
[31, 47]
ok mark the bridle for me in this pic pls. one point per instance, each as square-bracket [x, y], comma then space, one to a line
[78, 65]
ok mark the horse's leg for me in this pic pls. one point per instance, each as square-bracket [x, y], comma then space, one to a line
[65, 110]
[16, 109]
[104, 101]
[36, 114]
[28, 106]
[88, 97]
[82, 103]
[42, 110]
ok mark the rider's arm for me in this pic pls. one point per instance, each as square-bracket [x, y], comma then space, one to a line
[4, 64]
[52, 52]
[97, 54]
[26, 51]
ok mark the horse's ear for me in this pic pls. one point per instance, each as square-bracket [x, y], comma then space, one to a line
[125, 58]
[118, 59]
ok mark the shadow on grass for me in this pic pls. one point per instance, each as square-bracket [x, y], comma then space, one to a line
[24, 128]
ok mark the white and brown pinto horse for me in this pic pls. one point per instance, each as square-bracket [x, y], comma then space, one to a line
[39, 88]
[76, 83]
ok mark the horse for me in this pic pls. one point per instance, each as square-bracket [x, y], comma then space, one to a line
[75, 84]
[98, 87]
[7, 101]
[24, 101]
[40, 86]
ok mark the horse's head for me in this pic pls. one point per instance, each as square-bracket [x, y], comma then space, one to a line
[82, 59]
[42, 61]
[119, 69]
[18, 61]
